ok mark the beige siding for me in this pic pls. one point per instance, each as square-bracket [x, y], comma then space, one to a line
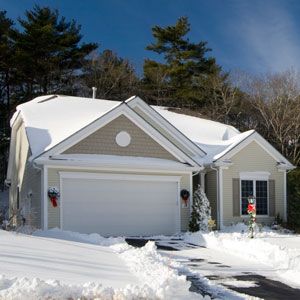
[54, 181]
[103, 142]
[211, 192]
[28, 179]
[253, 158]
[163, 131]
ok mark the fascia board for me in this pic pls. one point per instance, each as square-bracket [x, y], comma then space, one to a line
[64, 163]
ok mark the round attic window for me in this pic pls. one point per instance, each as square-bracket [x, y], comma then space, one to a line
[123, 139]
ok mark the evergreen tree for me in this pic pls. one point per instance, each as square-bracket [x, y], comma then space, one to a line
[6, 85]
[201, 212]
[49, 56]
[184, 62]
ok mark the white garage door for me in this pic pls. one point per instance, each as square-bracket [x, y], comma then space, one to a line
[115, 206]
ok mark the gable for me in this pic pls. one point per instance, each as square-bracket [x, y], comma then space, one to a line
[253, 157]
[103, 141]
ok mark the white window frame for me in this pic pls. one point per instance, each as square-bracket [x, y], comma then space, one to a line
[255, 176]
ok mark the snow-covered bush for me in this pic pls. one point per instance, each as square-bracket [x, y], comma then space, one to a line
[201, 213]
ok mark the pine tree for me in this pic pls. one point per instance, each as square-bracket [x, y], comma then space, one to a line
[7, 66]
[201, 212]
[184, 62]
[49, 56]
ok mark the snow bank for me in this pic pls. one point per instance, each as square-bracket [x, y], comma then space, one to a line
[268, 247]
[155, 271]
[56, 266]
[30, 289]
[93, 238]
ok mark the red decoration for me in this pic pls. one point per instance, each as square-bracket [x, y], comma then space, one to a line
[53, 194]
[53, 201]
[251, 208]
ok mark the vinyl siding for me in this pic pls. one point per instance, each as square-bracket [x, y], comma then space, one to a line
[211, 192]
[103, 142]
[28, 179]
[54, 181]
[253, 158]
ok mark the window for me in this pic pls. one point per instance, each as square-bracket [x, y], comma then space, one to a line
[258, 189]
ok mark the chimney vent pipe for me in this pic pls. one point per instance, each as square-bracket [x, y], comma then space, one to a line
[94, 92]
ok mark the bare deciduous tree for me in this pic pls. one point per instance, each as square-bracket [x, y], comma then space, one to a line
[113, 77]
[277, 99]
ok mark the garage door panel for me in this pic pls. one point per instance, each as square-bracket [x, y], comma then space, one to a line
[123, 207]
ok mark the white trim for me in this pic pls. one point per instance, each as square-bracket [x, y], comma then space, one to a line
[125, 110]
[285, 196]
[45, 198]
[61, 225]
[164, 123]
[277, 156]
[110, 176]
[259, 175]
[191, 193]
[133, 177]
[178, 202]
[101, 165]
[221, 197]
[133, 170]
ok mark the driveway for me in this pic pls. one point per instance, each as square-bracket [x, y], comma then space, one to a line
[231, 272]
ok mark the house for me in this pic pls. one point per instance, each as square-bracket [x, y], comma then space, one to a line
[121, 168]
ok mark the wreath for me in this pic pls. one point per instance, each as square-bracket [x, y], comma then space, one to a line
[53, 194]
[185, 195]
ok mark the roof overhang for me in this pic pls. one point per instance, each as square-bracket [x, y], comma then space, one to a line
[116, 162]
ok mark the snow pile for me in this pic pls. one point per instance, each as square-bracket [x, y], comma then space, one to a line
[30, 289]
[93, 238]
[56, 264]
[156, 272]
[268, 247]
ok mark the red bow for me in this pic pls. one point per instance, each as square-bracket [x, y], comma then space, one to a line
[251, 207]
[53, 201]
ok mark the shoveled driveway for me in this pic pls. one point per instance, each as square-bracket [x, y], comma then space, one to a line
[233, 273]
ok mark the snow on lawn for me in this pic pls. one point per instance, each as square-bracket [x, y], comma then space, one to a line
[278, 250]
[55, 264]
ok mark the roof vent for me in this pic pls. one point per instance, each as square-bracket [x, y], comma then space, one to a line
[94, 92]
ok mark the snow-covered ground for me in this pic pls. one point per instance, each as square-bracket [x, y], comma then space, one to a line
[65, 265]
[57, 264]
[273, 253]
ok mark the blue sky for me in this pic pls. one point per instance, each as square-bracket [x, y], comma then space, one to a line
[255, 36]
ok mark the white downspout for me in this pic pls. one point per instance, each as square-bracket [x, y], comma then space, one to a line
[221, 196]
[218, 197]
[44, 200]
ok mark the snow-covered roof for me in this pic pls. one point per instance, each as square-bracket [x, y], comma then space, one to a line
[50, 120]
[214, 138]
